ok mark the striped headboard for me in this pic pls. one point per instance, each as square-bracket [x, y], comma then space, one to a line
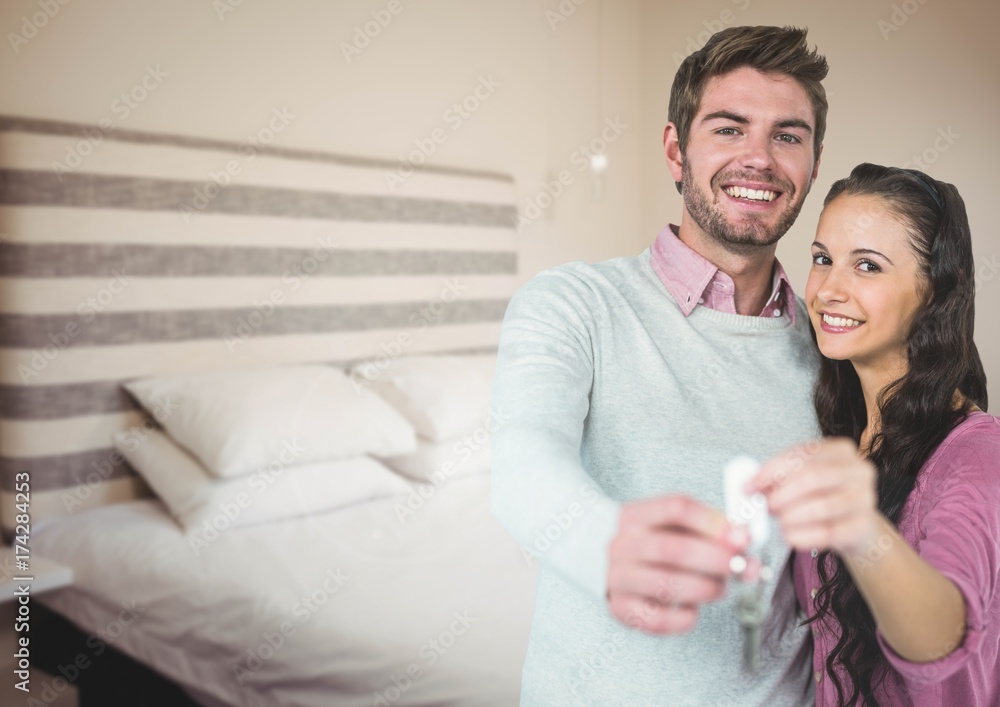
[125, 254]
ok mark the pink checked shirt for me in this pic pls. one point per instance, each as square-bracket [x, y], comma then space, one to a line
[693, 280]
[952, 519]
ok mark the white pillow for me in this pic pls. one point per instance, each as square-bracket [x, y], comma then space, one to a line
[443, 397]
[195, 498]
[236, 421]
[438, 461]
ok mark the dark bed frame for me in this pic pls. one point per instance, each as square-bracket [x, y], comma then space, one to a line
[111, 679]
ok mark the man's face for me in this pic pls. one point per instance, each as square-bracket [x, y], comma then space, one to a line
[749, 161]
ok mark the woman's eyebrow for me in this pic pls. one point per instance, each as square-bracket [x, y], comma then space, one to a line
[869, 251]
[859, 251]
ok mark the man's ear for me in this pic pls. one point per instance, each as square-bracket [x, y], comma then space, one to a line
[672, 151]
[816, 166]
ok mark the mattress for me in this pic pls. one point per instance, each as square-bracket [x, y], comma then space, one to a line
[399, 601]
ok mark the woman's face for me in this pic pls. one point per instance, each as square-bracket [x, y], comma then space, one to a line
[865, 285]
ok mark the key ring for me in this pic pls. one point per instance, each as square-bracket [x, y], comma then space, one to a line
[751, 571]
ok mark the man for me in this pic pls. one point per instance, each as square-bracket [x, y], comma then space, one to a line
[630, 383]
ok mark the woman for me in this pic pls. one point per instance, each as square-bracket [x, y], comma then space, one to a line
[896, 522]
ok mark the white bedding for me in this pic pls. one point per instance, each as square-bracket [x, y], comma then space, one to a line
[448, 573]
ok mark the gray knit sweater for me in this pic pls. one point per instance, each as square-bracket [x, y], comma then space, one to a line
[611, 395]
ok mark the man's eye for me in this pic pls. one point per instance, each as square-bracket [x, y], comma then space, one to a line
[791, 139]
[820, 259]
[727, 131]
[869, 266]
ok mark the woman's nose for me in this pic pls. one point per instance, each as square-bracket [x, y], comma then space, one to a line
[833, 288]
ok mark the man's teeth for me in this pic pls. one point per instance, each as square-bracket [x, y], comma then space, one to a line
[840, 321]
[753, 194]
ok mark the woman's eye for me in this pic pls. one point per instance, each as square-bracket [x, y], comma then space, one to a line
[820, 259]
[869, 266]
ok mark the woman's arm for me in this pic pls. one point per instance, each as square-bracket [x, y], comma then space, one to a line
[920, 612]
[827, 500]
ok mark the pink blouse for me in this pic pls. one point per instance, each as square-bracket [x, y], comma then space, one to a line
[952, 519]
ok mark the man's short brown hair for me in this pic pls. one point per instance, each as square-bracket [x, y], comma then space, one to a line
[770, 50]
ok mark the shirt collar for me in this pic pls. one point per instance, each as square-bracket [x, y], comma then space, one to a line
[686, 274]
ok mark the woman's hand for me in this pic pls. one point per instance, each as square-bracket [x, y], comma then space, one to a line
[823, 495]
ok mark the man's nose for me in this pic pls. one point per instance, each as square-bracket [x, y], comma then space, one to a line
[757, 153]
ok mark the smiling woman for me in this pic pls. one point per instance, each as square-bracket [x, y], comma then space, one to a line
[901, 581]
[865, 287]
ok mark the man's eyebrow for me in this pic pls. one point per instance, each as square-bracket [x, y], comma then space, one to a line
[744, 120]
[794, 123]
[726, 115]
[857, 251]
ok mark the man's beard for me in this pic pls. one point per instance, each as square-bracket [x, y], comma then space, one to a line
[752, 233]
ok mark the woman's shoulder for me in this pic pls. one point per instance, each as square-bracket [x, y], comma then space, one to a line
[970, 454]
[977, 429]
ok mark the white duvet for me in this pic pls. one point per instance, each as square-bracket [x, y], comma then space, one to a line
[360, 606]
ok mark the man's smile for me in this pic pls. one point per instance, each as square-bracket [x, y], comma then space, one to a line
[751, 194]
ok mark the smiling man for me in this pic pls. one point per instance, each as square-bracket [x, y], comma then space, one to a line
[630, 383]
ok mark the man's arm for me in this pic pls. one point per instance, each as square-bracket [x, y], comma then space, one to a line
[653, 561]
[541, 493]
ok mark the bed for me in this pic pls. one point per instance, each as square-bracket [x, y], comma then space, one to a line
[127, 257]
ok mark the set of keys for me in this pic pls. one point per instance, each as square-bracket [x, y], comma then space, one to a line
[753, 570]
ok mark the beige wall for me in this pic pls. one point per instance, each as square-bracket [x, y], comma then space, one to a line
[226, 75]
[890, 95]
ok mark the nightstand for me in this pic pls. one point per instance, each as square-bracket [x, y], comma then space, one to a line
[45, 574]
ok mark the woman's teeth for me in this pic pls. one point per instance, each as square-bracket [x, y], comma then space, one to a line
[752, 194]
[840, 321]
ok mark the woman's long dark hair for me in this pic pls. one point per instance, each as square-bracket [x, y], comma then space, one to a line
[917, 411]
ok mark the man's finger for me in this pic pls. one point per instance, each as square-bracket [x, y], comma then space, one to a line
[668, 586]
[692, 553]
[678, 511]
[653, 617]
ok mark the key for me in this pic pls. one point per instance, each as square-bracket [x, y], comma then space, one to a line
[751, 512]
[750, 612]
[744, 509]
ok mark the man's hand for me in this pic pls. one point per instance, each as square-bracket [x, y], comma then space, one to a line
[670, 556]
[823, 495]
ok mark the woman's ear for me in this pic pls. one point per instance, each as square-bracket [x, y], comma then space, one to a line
[925, 292]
